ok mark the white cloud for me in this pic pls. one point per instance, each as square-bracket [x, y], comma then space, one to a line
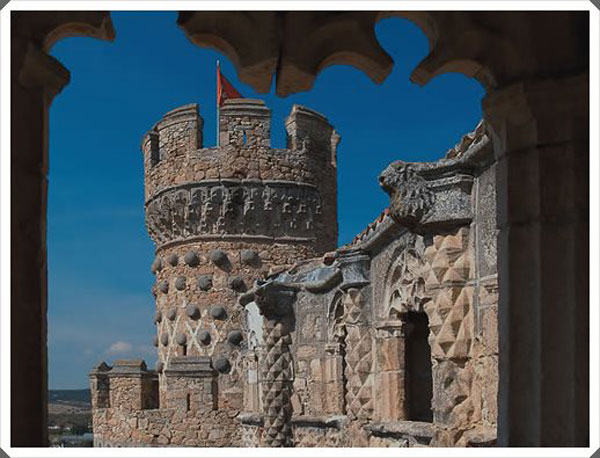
[119, 347]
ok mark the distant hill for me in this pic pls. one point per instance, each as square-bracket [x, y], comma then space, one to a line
[78, 396]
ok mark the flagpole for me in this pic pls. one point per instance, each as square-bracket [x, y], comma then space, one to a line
[218, 108]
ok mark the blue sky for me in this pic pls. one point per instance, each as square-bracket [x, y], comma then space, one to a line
[99, 255]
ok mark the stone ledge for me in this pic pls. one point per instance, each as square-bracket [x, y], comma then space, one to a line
[334, 421]
[401, 429]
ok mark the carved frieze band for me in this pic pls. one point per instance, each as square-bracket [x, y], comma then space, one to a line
[208, 209]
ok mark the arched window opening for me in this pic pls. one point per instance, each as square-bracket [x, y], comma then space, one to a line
[418, 382]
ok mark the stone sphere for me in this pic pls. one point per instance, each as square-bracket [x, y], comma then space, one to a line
[155, 341]
[235, 337]
[158, 316]
[164, 286]
[180, 283]
[204, 337]
[249, 257]
[219, 257]
[205, 282]
[181, 338]
[157, 264]
[237, 284]
[159, 366]
[222, 364]
[192, 311]
[164, 339]
[172, 313]
[191, 259]
[218, 312]
[172, 259]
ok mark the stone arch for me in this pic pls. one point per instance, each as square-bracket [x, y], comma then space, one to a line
[536, 103]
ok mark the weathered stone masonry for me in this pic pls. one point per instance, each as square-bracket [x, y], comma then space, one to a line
[263, 341]
[220, 217]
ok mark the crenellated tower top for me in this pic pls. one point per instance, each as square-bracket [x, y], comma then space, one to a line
[242, 188]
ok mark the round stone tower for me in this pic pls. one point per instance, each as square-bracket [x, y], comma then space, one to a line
[223, 216]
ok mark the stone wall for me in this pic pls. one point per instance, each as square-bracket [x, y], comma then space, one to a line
[432, 255]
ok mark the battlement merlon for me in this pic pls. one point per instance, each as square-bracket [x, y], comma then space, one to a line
[242, 123]
[176, 133]
[128, 384]
[309, 130]
[245, 122]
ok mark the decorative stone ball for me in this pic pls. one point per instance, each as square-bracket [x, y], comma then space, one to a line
[155, 341]
[205, 282]
[172, 313]
[172, 259]
[164, 339]
[158, 316]
[235, 337]
[218, 312]
[164, 286]
[204, 337]
[181, 338]
[192, 311]
[237, 284]
[159, 366]
[249, 257]
[157, 264]
[221, 364]
[180, 283]
[219, 257]
[191, 259]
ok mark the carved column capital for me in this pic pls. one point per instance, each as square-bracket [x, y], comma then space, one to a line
[275, 300]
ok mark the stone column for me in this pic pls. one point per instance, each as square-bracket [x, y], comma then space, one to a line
[36, 79]
[540, 136]
[390, 395]
[276, 368]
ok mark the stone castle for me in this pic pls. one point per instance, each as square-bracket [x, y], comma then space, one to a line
[267, 335]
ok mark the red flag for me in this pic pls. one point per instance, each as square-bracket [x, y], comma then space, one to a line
[225, 89]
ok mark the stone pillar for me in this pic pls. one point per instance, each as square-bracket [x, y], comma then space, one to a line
[390, 396]
[276, 369]
[36, 79]
[540, 135]
[333, 379]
